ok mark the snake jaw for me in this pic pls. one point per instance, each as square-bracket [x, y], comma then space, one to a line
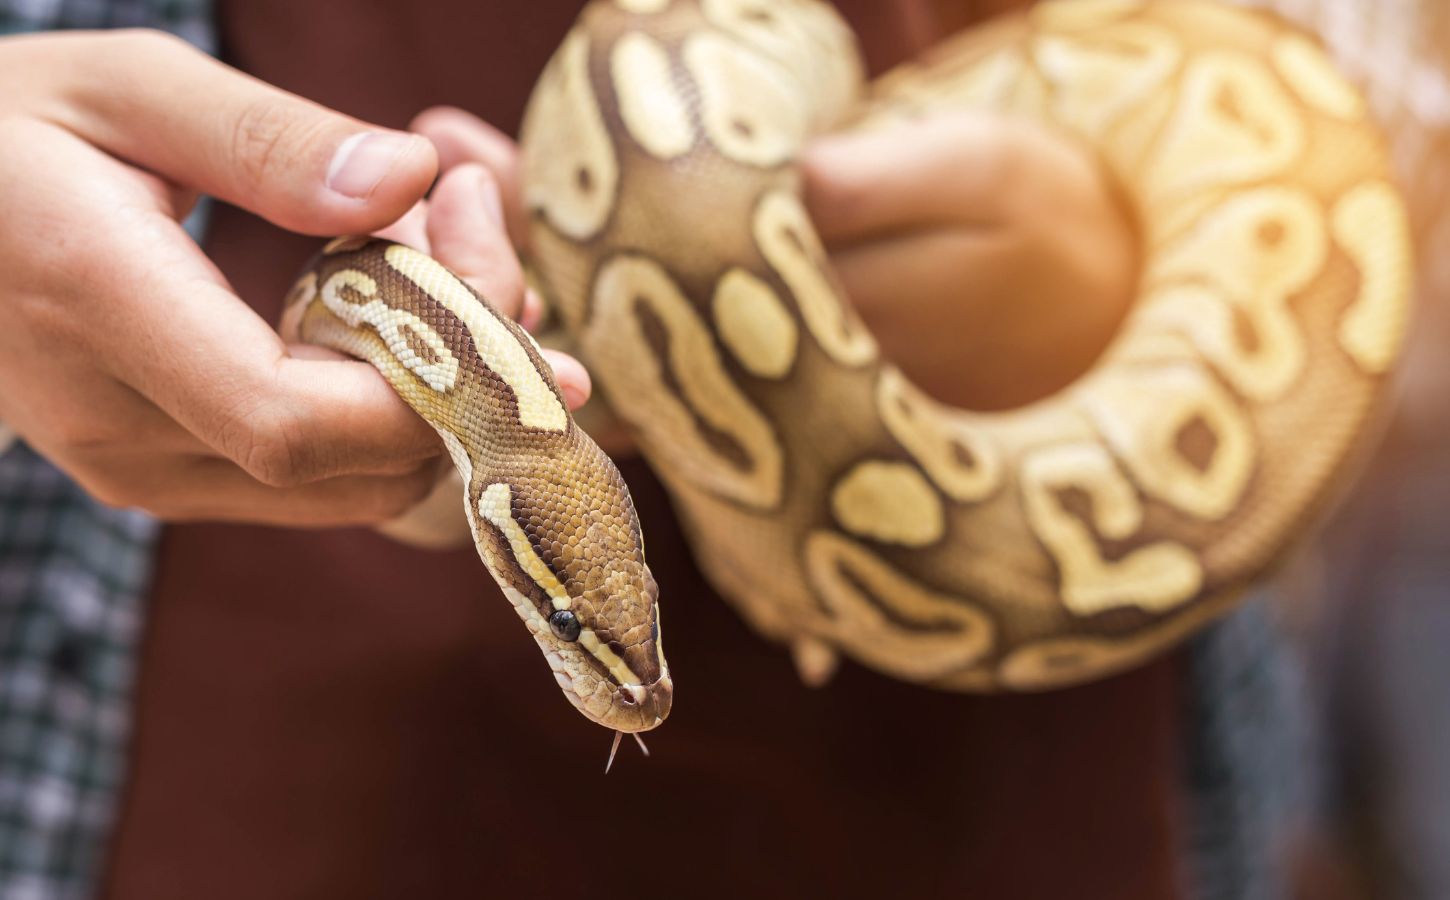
[626, 707]
[630, 708]
[651, 704]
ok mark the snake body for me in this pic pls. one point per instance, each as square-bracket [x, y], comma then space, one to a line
[549, 513]
[839, 507]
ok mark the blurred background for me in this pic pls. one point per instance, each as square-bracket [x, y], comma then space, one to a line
[1370, 603]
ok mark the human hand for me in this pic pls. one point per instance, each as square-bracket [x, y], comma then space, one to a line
[126, 358]
[989, 256]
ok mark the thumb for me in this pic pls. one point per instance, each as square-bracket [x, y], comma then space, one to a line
[942, 170]
[209, 127]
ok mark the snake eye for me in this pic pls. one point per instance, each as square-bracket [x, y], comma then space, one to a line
[565, 625]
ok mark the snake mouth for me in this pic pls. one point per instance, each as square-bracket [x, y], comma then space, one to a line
[631, 708]
[641, 707]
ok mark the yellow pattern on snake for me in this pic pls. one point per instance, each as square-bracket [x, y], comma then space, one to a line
[548, 511]
[834, 503]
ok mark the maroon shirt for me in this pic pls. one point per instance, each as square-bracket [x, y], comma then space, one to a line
[331, 715]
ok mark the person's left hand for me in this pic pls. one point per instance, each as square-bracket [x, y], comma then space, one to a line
[989, 256]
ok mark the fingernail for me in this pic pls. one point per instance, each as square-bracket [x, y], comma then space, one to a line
[364, 160]
[492, 202]
[533, 311]
[573, 397]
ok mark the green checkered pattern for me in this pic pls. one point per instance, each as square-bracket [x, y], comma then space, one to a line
[73, 575]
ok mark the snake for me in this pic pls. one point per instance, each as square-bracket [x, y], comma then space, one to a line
[841, 509]
[547, 510]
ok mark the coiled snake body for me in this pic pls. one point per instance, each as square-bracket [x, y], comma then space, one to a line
[838, 506]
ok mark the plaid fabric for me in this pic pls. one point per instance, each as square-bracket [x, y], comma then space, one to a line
[1250, 757]
[189, 19]
[73, 575]
[71, 579]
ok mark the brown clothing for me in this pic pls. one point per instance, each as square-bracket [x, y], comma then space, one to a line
[330, 715]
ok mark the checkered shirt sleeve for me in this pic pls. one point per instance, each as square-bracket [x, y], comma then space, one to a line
[73, 576]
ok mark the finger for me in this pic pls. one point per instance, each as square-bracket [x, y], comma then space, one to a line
[155, 101]
[934, 298]
[892, 279]
[210, 489]
[532, 315]
[461, 137]
[943, 170]
[158, 317]
[573, 378]
[411, 229]
[911, 294]
[466, 232]
[134, 297]
[85, 413]
[225, 375]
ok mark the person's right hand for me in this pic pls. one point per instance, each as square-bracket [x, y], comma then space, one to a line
[125, 358]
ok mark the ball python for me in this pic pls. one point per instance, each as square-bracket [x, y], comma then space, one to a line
[841, 509]
[547, 510]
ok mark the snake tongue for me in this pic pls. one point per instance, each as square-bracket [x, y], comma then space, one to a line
[613, 749]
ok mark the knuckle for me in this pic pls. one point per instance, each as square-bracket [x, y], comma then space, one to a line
[266, 136]
[266, 446]
[271, 458]
[257, 134]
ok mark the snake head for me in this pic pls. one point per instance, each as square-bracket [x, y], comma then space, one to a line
[606, 652]
[566, 548]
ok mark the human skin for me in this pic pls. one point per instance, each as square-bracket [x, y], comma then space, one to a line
[988, 256]
[127, 359]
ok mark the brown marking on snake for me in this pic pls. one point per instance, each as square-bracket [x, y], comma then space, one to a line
[895, 616]
[1196, 442]
[657, 336]
[1197, 491]
[418, 345]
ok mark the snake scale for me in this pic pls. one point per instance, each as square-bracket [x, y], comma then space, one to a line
[840, 508]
